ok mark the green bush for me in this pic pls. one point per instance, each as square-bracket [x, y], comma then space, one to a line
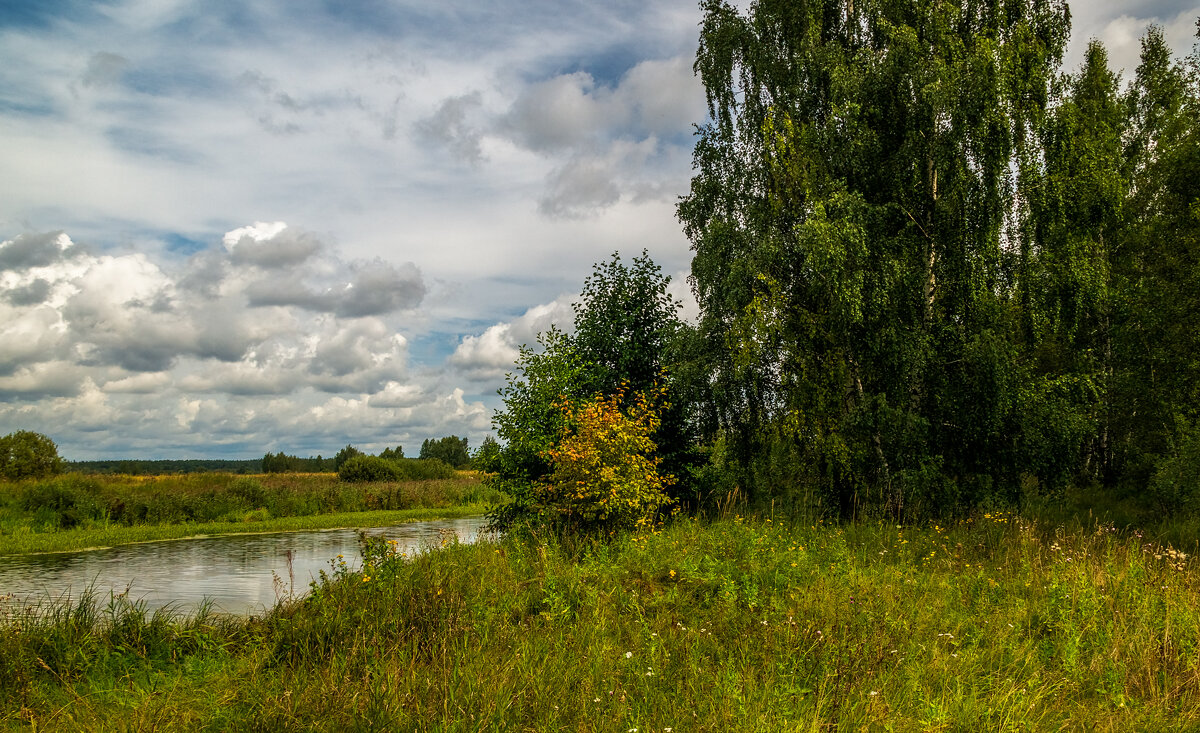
[368, 468]
[417, 469]
[63, 503]
[249, 491]
[26, 454]
[374, 468]
[1175, 484]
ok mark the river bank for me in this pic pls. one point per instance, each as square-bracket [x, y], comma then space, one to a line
[75, 512]
[992, 623]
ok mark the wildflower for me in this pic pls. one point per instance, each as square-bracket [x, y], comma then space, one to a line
[366, 578]
[628, 655]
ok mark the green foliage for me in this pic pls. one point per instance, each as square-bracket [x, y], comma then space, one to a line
[26, 454]
[374, 468]
[605, 476]
[368, 468]
[344, 455]
[283, 463]
[628, 340]
[531, 421]
[92, 502]
[392, 454]
[1175, 485]
[933, 272]
[162, 467]
[451, 450]
[486, 455]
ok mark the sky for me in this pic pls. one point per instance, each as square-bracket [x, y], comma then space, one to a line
[229, 228]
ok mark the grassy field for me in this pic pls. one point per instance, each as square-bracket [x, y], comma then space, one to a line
[995, 623]
[73, 511]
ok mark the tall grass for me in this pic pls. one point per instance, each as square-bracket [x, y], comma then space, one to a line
[80, 501]
[995, 623]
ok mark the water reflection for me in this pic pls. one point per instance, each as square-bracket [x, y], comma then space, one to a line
[237, 572]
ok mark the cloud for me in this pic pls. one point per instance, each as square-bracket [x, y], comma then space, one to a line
[104, 69]
[137, 315]
[580, 188]
[26, 251]
[163, 347]
[494, 352]
[450, 125]
[271, 246]
[373, 288]
[395, 394]
[658, 97]
[34, 293]
[618, 140]
[380, 287]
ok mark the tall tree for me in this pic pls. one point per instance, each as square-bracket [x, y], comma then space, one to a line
[852, 217]
[1075, 186]
[1156, 388]
[625, 343]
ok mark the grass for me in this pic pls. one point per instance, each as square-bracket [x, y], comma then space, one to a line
[73, 512]
[996, 623]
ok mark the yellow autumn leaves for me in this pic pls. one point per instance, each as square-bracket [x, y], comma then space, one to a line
[605, 468]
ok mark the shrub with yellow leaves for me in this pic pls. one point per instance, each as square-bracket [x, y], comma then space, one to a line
[605, 470]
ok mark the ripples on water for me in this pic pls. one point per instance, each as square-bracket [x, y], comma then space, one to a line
[236, 572]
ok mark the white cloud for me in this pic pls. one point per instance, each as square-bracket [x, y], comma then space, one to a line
[492, 354]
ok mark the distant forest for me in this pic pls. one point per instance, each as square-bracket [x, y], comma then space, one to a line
[451, 450]
[159, 467]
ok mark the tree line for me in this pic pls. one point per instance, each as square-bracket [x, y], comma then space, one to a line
[26, 454]
[935, 270]
[451, 450]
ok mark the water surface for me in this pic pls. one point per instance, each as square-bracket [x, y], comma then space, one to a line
[241, 574]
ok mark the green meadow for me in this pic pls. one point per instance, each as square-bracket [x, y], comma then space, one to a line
[993, 622]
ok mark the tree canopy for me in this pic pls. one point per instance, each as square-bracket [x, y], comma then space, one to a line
[932, 256]
[26, 454]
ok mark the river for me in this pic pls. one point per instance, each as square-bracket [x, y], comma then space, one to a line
[241, 574]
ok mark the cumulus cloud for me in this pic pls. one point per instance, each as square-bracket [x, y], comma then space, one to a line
[134, 314]
[271, 246]
[579, 188]
[589, 183]
[494, 352]
[163, 349]
[26, 251]
[396, 394]
[618, 140]
[656, 98]
[33, 293]
[373, 288]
